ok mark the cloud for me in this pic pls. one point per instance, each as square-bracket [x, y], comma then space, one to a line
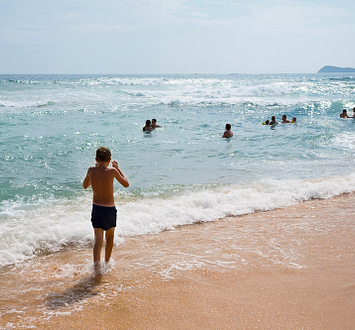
[200, 33]
[129, 16]
[277, 21]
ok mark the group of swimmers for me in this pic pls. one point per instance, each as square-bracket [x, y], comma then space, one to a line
[228, 133]
[273, 121]
[150, 125]
[344, 114]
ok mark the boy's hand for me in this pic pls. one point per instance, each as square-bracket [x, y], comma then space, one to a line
[119, 176]
[115, 164]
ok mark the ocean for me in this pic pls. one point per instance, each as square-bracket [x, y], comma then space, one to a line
[182, 173]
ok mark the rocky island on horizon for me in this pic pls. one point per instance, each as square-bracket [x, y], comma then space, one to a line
[332, 69]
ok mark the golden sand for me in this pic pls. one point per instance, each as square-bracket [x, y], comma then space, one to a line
[291, 268]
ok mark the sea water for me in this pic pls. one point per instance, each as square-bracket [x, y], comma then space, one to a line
[181, 173]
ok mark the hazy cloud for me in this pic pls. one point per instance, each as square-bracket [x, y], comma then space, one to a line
[177, 35]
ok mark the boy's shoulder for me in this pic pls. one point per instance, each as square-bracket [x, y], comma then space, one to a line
[91, 168]
[100, 168]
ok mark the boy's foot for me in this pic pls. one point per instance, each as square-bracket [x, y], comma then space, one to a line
[97, 268]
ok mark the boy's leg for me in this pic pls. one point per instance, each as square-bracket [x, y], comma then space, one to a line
[109, 243]
[99, 239]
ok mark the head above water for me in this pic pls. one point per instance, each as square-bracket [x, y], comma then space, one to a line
[147, 122]
[154, 121]
[228, 127]
[103, 154]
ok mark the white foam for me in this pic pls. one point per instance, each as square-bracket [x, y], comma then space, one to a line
[47, 228]
[58, 224]
[209, 204]
[209, 91]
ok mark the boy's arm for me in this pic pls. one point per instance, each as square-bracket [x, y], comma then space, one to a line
[119, 175]
[87, 181]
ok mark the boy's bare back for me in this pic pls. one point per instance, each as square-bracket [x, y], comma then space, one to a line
[101, 177]
[104, 213]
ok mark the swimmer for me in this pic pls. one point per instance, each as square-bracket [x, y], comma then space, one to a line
[154, 123]
[104, 214]
[344, 114]
[285, 120]
[148, 126]
[273, 121]
[266, 122]
[228, 133]
[294, 120]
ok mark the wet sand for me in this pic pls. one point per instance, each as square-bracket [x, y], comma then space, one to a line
[291, 268]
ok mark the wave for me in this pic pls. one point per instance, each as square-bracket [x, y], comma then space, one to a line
[26, 104]
[55, 225]
[21, 81]
[344, 78]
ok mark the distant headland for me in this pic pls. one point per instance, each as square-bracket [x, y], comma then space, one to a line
[332, 69]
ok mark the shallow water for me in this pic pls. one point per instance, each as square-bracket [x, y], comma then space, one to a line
[181, 173]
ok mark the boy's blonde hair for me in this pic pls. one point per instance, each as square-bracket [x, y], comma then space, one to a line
[103, 154]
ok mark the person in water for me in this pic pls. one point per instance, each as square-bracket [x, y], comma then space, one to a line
[104, 214]
[154, 123]
[294, 120]
[228, 133]
[148, 126]
[344, 114]
[273, 121]
[285, 120]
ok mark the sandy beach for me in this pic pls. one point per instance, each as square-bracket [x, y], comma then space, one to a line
[290, 268]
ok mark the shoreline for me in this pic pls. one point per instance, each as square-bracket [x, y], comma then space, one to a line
[289, 268]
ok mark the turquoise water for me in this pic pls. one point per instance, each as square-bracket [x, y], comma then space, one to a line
[181, 173]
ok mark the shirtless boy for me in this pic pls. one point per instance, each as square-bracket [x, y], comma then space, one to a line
[154, 123]
[103, 216]
[344, 114]
[285, 120]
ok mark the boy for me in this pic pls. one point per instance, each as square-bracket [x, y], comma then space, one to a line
[154, 123]
[344, 114]
[285, 120]
[103, 216]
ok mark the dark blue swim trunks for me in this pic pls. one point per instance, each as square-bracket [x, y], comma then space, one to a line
[103, 217]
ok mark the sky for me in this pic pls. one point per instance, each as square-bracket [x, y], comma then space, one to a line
[175, 36]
